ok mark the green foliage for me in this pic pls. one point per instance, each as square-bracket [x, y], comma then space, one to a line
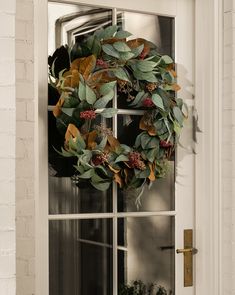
[139, 288]
[104, 63]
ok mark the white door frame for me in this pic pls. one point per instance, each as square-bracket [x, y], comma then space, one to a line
[208, 91]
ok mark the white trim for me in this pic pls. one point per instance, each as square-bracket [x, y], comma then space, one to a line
[208, 90]
[109, 215]
[41, 169]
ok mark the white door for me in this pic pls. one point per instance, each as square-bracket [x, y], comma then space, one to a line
[101, 243]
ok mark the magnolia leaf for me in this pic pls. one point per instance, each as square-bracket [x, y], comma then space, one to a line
[122, 34]
[107, 87]
[110, 50]
[88, 174]
[157, 100]
[121, 74]
[178, 115]
[102, 102]
[101, 186]
[121, 46]
[82, 91]
[91, 144]
[90, 95]
[87, 65]
[109, 112]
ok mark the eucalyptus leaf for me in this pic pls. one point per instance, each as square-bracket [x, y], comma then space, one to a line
[157, 100]
[121, 74]
[138, 98]
[88, 174]
[110, 50]
[178, 115]
[82, 91]
[121, 46]
[109, 32]
[107, 87]
[109, 112]
[167, 59]
[126, 55]
[102, 144]
[68, 111]
[137, 51]
[121, 158]
[90, 95]
[145, 65]
[96, 178]
[147, 76]
[122, 34]
[102, 102]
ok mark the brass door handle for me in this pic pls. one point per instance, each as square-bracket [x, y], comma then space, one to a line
[187, 250]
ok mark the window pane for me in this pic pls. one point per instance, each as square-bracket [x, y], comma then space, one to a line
[146, 252]
[80, 254]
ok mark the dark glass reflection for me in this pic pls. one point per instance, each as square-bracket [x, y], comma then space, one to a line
[146, 252]
[80, 254]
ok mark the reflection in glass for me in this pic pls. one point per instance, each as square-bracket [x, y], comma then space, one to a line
[80, 257]
[146, 251]
[159, 197]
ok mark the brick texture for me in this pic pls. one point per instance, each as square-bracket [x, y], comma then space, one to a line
[25, 212]
[7, 148]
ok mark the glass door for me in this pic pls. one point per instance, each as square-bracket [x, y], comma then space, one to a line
[118, 242]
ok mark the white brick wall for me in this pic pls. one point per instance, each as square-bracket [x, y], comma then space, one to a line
[228, 152]
[25, 243]
[7, 147]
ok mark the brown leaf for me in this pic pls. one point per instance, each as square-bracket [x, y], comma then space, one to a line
[118, 179]
[87, 65]
[113, 142]
[149, 128]
[72, 132]
[151, 176]
[113, 169]
[75, 78]
[91, 144]
[126, 173]
[112, 40]
[176, 87]
[137, 42]
[57, 108]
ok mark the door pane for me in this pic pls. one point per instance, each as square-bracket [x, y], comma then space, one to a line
[80, 256]
[146, 252]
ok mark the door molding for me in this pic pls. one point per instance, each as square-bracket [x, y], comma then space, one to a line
[208, 91]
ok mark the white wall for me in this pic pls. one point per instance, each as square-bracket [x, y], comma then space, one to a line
[25, 243]
[228, 152]
[7, 147]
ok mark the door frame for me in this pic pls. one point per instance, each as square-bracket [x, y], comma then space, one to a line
[208, 91]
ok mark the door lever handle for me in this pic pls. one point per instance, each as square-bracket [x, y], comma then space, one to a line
[187, 250]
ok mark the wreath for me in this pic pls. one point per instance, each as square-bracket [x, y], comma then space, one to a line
[87, 76]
